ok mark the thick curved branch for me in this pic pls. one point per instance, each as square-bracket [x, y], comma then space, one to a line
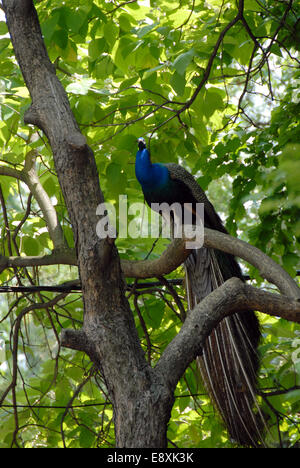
[61, 257]
[232, 296]
[29, 176]
[50, 216]
[170, 259]
[268, 269]
[176, 253]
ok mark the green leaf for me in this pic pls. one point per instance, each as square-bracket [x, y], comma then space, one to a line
[75, 19]
[220, 149]
[110, 31]
[212, 102]
[252, 5]
[104, 67]
[127, 83]
[290, 261]
[289, 162]
[123, 55]
[181, 63]
[3, 28]
[116, 179]
[96, 47]
[244, 51]
[81, 86]
[85, 109]
[45, 241]
[155, 314]
[86, 437]
[178, 83]
[275, 49]
[125, 22]
[145, 29]
[49, 25]
[179, 17]
[63, 392]
[50, 185]
[30, 246]
[60, 37]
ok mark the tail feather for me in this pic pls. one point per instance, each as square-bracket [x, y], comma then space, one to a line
[229, 363]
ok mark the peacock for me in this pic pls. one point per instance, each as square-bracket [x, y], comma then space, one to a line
[229, 363]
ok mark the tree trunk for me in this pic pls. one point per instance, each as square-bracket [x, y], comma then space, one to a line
[141, 399]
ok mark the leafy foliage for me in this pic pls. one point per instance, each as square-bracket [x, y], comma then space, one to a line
[230, 115]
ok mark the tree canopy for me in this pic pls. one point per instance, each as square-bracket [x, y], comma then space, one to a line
[212, 85]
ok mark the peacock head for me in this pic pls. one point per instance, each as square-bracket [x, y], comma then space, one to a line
[141, 143]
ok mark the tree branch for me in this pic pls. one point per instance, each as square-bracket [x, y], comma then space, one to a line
[61, 257]
[50, 216]
[77, 339]
[232, 296]
[29, 176]
[209, 65]
[170, 259]
[268, 268]
[174, 255]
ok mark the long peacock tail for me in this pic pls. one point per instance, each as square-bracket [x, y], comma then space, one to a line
[229, 363]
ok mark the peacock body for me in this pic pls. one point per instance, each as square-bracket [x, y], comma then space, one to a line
[229, 363]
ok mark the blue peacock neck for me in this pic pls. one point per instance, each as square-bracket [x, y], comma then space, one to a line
[150, 176]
